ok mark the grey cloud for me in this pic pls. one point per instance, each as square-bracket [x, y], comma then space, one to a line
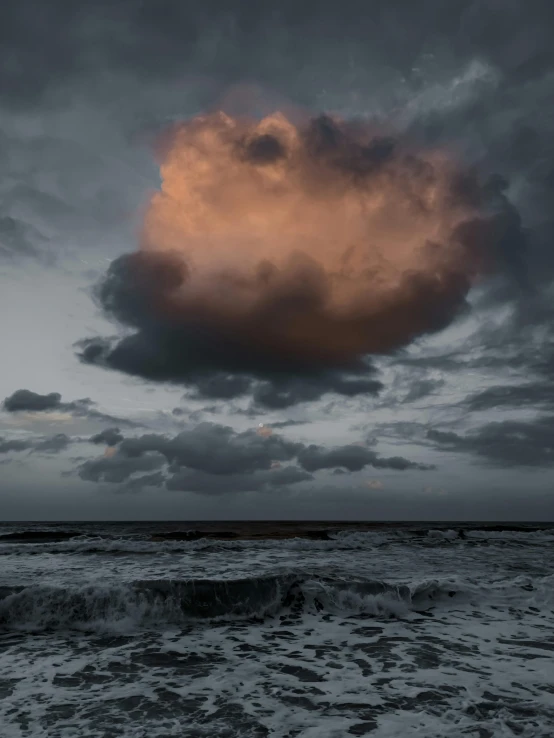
[421, 388]
[220, 386]
[214, 459]
[108, 437]
[119, 468]
[505, 129]
[16, 238]
[445, 437]
[287, 47]
[445, 361]
[509, 443]
[410, 384]
[180, 356]
[280, 394]
[201, 482]
[92, 414]
[156, 479]
[6, 445]
[215, 449]
[287, 423]
[500, 125]
[24, 400]
[406, 430]
[203, 355]
[54, 444]
[288, 475]
[532, 394]
[219, 450]
[354, 458]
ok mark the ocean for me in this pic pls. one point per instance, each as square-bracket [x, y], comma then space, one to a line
[250, 629]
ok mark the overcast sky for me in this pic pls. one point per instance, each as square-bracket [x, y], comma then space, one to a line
[112, 413]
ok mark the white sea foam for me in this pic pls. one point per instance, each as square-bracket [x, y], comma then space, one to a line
[390, 634]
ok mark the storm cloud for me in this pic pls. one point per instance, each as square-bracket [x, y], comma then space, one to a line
[354, 458]
[91, 99]
[509, 443]
[118, 468]
[109, 437]
[214, 459]
[46, 444]
[54, 444]
[291, 328]
[27, 401]
[8, 445]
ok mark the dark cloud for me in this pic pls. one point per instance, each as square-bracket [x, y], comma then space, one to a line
[280, 393]
[92, 414]
[537, 394]
[398, 51]
[7, 445]
[16, 238]
[409, 385]
[215, 449]
[119, 468]
[54, 444]
[156, 479]
[407, 430]
[445, 361]
[217, 365]
[221, 386]
[108, 437]
[288, 43]
[354, 458]
[24, 400]
[287, 423]
[406, 56]
[215, 459]
[509, 443]
[51, 445]
[213, 364]
[421, 388]
[201, 482]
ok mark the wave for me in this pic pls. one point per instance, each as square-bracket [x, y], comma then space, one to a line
[56, 536]
[155, 603]
[32, 542]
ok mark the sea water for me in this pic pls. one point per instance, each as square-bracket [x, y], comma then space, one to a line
[298, 629]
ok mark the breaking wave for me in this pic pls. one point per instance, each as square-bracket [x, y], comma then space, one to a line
[36, 542]
[155, 603]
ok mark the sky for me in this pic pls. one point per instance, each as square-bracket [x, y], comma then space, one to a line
[284, 261]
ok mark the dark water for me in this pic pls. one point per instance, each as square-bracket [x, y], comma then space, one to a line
[276, 629]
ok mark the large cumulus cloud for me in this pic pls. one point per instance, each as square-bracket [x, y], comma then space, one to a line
[350, 249]
[476, 75]
[212, 364]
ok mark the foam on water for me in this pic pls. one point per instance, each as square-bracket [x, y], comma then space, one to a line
[157, 603]
[388, 634]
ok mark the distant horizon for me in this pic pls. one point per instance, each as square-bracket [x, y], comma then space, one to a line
[291, 521]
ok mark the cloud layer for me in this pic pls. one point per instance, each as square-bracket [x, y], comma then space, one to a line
[212, 458]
